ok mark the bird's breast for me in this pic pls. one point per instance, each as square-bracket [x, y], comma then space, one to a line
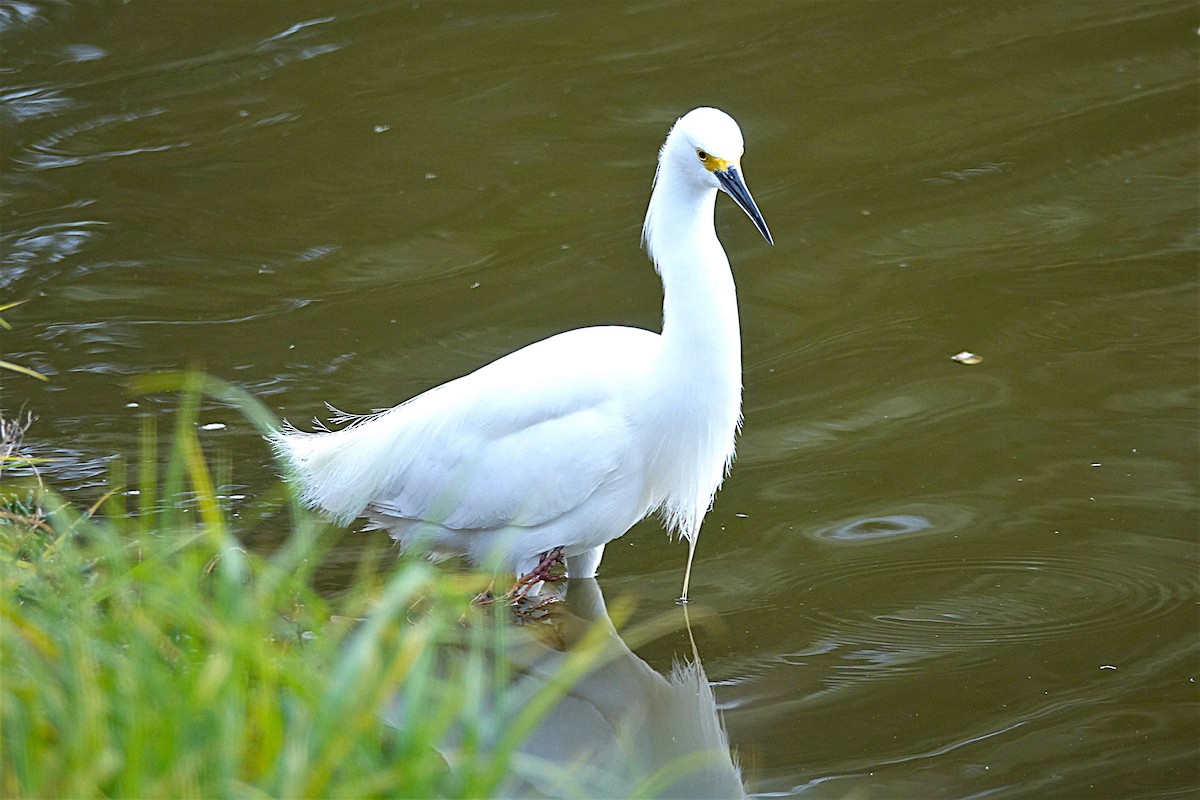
[692, 428]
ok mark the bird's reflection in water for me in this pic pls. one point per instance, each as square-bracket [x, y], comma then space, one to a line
[622, 730]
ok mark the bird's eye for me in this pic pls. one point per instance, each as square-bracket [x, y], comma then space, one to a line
[703, 155]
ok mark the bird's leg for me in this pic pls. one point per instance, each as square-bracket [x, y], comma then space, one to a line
[487, 596]
[687, 573]
[541, 572]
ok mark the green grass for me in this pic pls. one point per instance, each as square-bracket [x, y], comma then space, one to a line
[147, 652]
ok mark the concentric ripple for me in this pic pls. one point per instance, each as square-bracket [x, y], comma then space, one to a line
[953, 604]
[868, 528]
[917, 518]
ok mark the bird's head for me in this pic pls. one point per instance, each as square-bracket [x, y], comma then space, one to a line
[706, 147]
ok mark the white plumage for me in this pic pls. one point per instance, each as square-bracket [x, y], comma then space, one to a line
[570, 441]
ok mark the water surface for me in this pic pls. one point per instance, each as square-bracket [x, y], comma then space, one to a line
[931, 579]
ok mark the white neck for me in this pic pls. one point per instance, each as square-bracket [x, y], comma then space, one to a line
[701, 335]
[698, 375]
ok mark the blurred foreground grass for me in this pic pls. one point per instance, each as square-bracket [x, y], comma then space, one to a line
[145, 653]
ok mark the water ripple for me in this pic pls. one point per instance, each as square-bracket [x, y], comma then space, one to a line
[994, 601]
[48, 244]
[13, 14]
[30, 102]
[869, 528]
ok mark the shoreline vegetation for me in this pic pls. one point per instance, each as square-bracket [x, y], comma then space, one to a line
[145, 652]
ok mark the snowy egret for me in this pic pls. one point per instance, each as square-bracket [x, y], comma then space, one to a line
[562, 446]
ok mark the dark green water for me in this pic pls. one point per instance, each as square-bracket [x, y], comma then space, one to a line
[929, 579]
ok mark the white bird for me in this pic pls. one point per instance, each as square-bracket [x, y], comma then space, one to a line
[560, 447]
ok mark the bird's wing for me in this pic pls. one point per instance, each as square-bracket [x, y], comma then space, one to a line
[520, 441]
[523, 476]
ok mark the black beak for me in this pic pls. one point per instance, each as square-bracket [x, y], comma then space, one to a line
[735, 186]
